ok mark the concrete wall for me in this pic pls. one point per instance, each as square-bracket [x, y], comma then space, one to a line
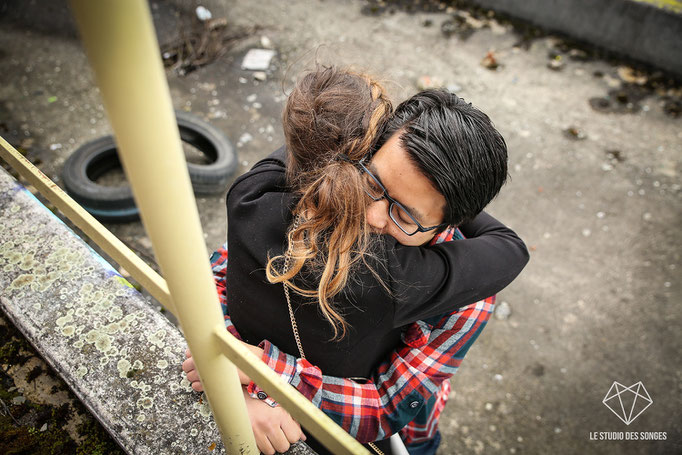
[649, 31]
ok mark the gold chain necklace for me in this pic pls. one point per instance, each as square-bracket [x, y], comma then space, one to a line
[294, 326]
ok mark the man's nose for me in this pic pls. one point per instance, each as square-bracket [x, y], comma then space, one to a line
[377, 215]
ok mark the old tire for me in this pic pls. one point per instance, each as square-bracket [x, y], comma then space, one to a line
[116, 204]
[209, 178]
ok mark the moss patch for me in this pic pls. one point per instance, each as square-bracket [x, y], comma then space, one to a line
[33, 428]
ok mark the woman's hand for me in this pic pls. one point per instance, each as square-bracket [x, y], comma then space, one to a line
[190, 368]
[275, 430]
[191, 372]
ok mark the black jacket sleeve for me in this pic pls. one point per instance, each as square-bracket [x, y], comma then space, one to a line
[432, 280]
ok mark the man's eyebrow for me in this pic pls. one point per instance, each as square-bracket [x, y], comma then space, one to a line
[413, 211]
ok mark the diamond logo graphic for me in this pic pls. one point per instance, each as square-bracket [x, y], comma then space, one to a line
[627, 402]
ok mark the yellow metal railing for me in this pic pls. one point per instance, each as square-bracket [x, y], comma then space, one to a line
[122, 48]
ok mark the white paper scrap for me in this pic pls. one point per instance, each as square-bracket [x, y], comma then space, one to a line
[258, 59]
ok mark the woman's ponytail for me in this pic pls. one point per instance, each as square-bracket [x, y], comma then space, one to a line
[332, 120]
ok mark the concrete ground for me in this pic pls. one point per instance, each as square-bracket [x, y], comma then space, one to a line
[594, 192]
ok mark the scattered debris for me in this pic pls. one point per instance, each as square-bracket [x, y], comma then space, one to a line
[615, 156]
[526, 32]
[600, 104]
[673, 107]
[448, 28]
[611, 81]
[538, 370]
[464, 23]
[556, 64]
[632, 86]
[490, 62]
[561, 50]
[426, 82]
[260, 75]
[502, 311]
[621, 96]
[54, 147]
[265, 42]
[201, 42]
[578, 55]
[203, 14]
[26, 143]
[575, 133]
[427, 23]
[206, 86]
[623, 100]
[257, 59]
[632, 76]
[244, 139]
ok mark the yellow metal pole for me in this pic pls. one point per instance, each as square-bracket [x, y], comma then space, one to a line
[138, 269]
[122, 48]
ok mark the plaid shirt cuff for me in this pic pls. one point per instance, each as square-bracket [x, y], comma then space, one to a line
[300, 373]
[271, 357]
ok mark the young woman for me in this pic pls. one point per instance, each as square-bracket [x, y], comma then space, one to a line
[341, 216]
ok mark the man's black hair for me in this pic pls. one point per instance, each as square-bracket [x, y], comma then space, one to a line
[456, 146]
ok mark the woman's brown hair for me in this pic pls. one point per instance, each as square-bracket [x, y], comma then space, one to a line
[332, 119]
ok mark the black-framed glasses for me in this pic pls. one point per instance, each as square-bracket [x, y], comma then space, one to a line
[398, 214]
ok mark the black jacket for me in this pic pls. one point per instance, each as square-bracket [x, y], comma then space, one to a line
[424, 281]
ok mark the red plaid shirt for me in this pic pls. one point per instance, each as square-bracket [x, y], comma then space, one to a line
[409, 389]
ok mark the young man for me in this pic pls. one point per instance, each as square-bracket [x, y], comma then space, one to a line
[438, 163]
